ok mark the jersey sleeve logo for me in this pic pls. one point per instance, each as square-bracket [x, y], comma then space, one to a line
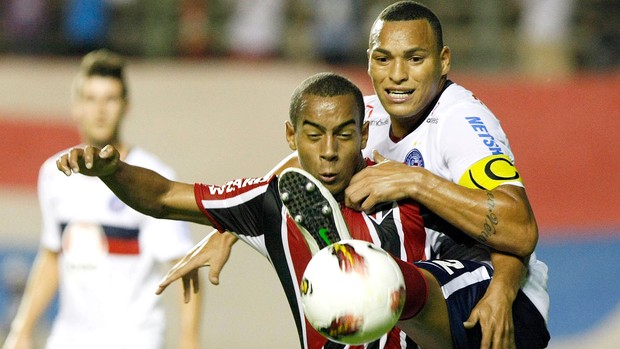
[237, 186]
[482, 131]
[490, 172]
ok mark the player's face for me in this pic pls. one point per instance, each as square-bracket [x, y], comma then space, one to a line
[406, 67]
[329, 140]
[99, 109]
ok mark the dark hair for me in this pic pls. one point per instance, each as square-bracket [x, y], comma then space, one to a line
[101, 63]
[410, 10]
[325, 85]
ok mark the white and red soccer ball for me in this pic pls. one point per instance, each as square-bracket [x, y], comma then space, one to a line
[352, 292]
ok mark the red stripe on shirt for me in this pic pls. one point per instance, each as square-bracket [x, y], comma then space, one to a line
[414, 243]
[358, 228]
[123, 246]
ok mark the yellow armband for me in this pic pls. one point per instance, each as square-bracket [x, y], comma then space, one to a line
[490, 172]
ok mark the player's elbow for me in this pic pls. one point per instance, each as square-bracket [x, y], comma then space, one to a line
[520, 236]
[151, 210]
[529, 239]
[154, 206]
[520, 219]
[528, 233]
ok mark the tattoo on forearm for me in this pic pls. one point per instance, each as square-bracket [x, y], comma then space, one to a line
[490, 221]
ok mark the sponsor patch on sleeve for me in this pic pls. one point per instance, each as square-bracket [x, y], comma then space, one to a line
[490, 172]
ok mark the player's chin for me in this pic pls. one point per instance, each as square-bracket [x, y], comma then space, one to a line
[336, 189]
[401, 110]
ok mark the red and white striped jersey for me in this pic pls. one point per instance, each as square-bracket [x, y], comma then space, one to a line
[252, 208]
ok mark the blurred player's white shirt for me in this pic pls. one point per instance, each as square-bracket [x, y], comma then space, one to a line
[110, 260]
[459, 131]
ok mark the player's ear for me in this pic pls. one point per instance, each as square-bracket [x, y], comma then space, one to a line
[445, 60]
[365, 134]
[368, 60]
[290, 135]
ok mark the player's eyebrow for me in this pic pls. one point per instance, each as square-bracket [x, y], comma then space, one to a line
[408, 52]
[323, 128]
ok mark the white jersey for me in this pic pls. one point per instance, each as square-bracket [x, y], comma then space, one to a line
[110, 260]
[458, 132]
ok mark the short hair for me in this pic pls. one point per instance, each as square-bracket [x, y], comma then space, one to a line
[325, 85]
[410, 10]
[102, 63]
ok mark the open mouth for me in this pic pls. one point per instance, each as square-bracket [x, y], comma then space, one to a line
[399, 95]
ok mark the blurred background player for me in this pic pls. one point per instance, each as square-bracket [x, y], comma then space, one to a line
[103, 257]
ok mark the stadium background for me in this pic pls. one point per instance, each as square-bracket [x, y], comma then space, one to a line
[220, 109]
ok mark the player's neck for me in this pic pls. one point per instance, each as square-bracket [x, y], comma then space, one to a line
[401, 127]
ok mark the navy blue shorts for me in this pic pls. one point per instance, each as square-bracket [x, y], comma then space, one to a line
[463, 284]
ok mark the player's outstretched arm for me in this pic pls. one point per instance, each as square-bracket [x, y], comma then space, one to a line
[142, 189]
[500, 218]
[213, 250]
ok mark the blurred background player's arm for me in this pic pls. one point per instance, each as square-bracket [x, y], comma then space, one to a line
[190, 311]
[40, 290]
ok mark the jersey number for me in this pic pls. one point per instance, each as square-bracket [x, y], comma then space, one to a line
[449, 264]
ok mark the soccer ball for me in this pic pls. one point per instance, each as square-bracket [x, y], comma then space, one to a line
[352, 292]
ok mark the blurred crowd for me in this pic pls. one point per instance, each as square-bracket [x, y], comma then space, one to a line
[491, 35]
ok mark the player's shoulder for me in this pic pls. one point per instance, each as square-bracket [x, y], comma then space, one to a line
[457, 102]
[457, 96]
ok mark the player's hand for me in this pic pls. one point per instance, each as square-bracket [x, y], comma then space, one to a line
[494, 314]
[213, 250]
[384, 182]
[89, 160]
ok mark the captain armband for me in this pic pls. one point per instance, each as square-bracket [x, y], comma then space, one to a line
[490, 172]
